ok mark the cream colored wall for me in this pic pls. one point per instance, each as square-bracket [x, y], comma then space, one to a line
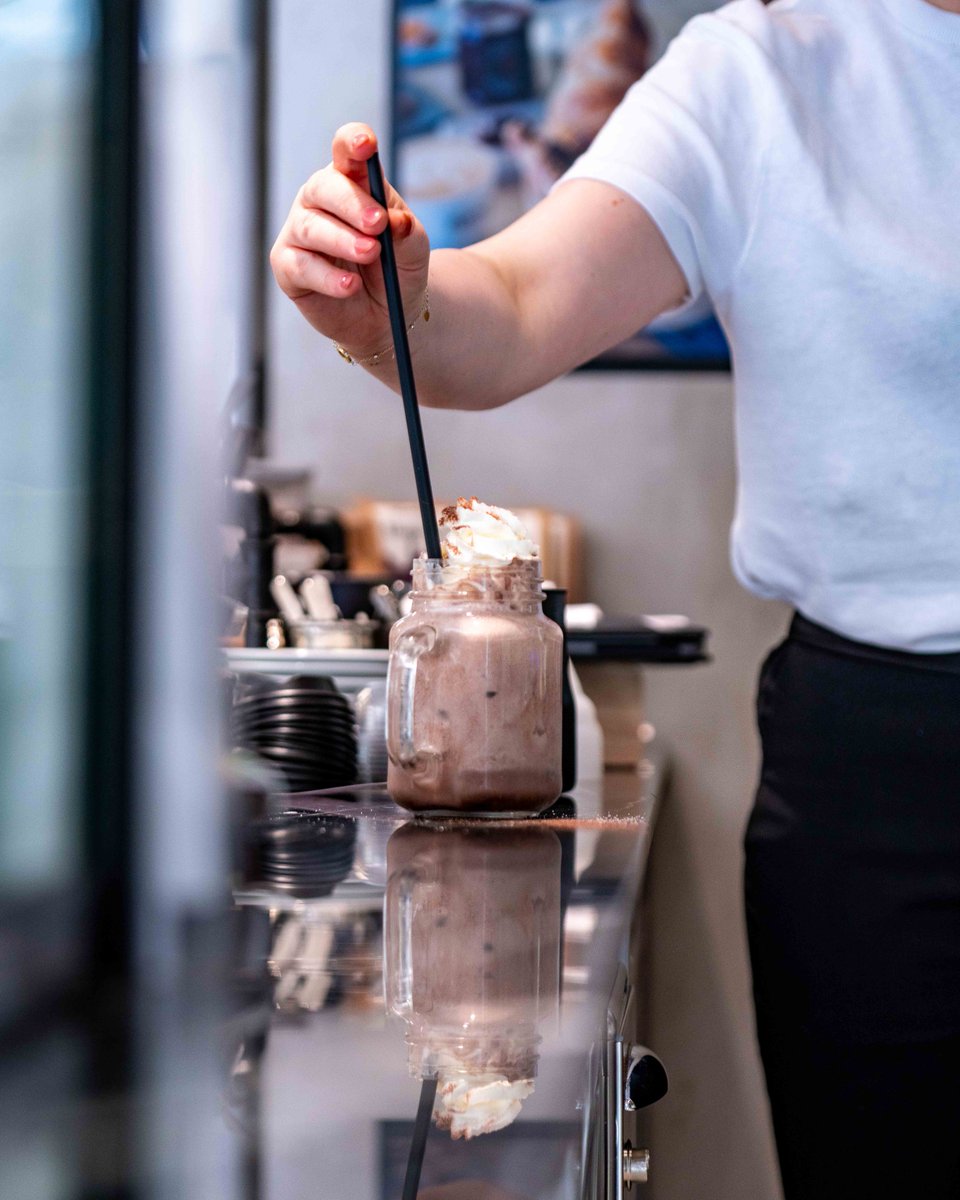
[647, 463]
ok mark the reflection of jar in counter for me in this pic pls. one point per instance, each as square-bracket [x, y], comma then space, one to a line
[474, 693]
[472, 963]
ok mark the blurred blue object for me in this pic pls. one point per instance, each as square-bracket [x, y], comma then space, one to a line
[703, 341]
[426, 36]
[34, 28]
[417, 111]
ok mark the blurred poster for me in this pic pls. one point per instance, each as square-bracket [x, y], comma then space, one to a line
[494, 99]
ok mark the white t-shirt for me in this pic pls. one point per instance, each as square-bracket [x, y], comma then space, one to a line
[802, 160]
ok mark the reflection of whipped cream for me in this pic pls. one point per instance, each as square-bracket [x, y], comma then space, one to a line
[474, 1104]
[478, 533]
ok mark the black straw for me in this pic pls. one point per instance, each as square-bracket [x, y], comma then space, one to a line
[398, 324]
[418, 1143]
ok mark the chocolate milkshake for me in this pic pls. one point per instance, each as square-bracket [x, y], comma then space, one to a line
[472, 960]
[474, 690]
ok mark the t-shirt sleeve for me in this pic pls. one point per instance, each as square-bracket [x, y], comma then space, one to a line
[685, 142]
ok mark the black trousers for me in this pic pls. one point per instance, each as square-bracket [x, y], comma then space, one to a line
[853, 915]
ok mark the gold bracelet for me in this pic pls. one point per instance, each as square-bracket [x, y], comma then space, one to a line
[388, 352]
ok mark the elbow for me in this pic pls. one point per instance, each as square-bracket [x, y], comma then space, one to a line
[475, 394]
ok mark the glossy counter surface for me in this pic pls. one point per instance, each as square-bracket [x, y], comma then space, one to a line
[387, 948]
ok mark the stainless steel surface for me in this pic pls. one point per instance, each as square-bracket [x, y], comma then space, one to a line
[315, 593]
[350, 670]
[336, 1099]
[636, 1166]
[370, 709]
[275, 636]
[619, 1004]
[287, 600]
[307, 633]
[385, 603]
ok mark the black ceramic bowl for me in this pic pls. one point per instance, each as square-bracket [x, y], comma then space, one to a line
[303, 725]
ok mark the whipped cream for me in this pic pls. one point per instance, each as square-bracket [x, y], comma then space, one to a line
[480, 534]
[475, 1104]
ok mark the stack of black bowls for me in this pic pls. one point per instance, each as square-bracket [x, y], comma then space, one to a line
[305, 854]
[302, 725]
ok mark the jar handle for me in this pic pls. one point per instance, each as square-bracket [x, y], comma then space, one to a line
[401, 686]
[398, 976]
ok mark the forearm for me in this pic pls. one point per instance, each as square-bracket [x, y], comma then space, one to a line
[466, 354]
[533, 302]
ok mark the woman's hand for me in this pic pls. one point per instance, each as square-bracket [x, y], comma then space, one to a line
[584, 269]
[326, 258]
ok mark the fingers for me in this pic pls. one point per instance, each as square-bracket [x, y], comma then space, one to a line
[353, 144]
[323, 233]
[332, 192]
[312, 237]
[302, 273]
[333, 226]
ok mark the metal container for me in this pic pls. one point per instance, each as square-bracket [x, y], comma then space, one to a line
[311, 633]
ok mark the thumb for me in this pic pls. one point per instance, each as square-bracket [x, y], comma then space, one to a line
[401, 223]
[410, 241]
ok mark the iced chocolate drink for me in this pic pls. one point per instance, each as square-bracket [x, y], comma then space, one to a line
[472, 962]
[474, 689]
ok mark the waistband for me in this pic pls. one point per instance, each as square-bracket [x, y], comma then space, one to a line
[809, 633]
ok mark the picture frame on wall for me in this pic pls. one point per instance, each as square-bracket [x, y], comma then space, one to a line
[494, 99]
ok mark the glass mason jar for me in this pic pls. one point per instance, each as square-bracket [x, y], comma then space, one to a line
[472, 953]
[474, 693]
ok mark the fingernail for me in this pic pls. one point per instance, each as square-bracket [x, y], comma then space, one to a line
[346, 281]
[406, 226]
[372, 215]
[360, 140]
[365, 245]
